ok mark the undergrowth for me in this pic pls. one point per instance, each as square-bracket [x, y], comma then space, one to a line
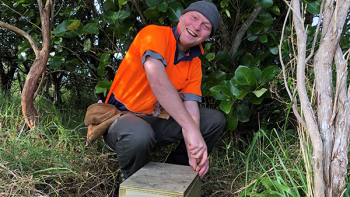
[52, 160]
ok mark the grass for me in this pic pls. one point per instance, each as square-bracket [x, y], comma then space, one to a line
[269, 163]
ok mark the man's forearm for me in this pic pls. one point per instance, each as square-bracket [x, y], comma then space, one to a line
[167, 95]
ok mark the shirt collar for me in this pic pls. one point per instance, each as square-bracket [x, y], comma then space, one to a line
[194, 51]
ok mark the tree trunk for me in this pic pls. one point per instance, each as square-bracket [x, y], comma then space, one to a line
[329, 133]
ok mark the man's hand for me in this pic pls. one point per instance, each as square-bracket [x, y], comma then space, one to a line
[196, 147]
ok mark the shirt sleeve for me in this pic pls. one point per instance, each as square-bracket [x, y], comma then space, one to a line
[154, 55]
[191, 97]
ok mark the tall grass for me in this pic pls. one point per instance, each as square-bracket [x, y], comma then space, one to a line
[54, 164]
[52, 160]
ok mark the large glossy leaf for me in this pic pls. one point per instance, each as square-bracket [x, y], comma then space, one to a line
[102, 86]
[87, 44]
[255, 100]
[216, 77]
[259, 93]
[152, 13]
[269, 72]
[245, 76]
[174, 11]
[248, 59]
[257, 72]
[153, 2]
[263, 38]
[56, 62]
[74, 25]
[274, 9]
[123, 14]
[224, 3]
[108, 5]
[104, 57]
[90, 28]
[313, 7]
[256, 27]
[163, 6]
[226, 106]
[265, 3]
[62, 27]
[210, 56]
[110, 17]
[243, 94]
[70, 34]
[232, 120]
[266, 19]
[220, 92]
[274, 50]
[233, 89]
[243, 112]
[222, 57]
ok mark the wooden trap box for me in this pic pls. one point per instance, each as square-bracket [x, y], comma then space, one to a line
[162, 180]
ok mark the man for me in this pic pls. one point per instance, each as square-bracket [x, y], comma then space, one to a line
[162, 63]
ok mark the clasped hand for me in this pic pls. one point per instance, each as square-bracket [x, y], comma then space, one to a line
[197, 153]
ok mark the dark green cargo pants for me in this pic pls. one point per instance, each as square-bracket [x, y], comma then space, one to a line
[133, 137]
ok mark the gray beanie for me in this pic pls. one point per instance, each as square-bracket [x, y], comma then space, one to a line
[208, 10]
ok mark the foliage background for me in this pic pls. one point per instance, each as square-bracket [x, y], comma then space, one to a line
[257, 155]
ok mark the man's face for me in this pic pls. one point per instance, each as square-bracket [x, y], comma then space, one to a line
[195, 29]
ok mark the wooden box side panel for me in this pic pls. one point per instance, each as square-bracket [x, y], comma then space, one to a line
[195, 189]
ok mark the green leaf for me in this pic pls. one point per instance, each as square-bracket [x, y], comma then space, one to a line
[222, 57]
[259, 93]
[102, 86]
[153, 2]
[174, 11]
[62, 27]
[123, 14]
[74, 25]
[257, 73]
[87, 44]
[256, 27]
[224, 3]
[104, 57]
[110, 16]
[274, 9]
[70, 34]
[269, 72]
[210, 56]
[263, 38]
[226, 106]
[255, 100]
[90, 28]
[56, 62]
[122, 2]
[216, 77]
[266, 19]
[232, 120]
[243, 112]
[265, 3]
[108, 5]
[233, 89]
[242, 95]
[310, 31]
[274, 50]
[252, 38]
[220, 92]
[152, 13]
[245, 76]
[247, 59]
[313, 7]
[163, 6]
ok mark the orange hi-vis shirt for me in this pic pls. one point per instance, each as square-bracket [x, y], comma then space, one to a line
[130, 89]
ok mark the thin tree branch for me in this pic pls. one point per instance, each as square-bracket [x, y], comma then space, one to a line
[25, 18]
[80, 60]
[292, 98]
[40, 85]
[24, 34]
[296, 15]
[316, 34]
[243, 29]
[140, 12]
[59, 8]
